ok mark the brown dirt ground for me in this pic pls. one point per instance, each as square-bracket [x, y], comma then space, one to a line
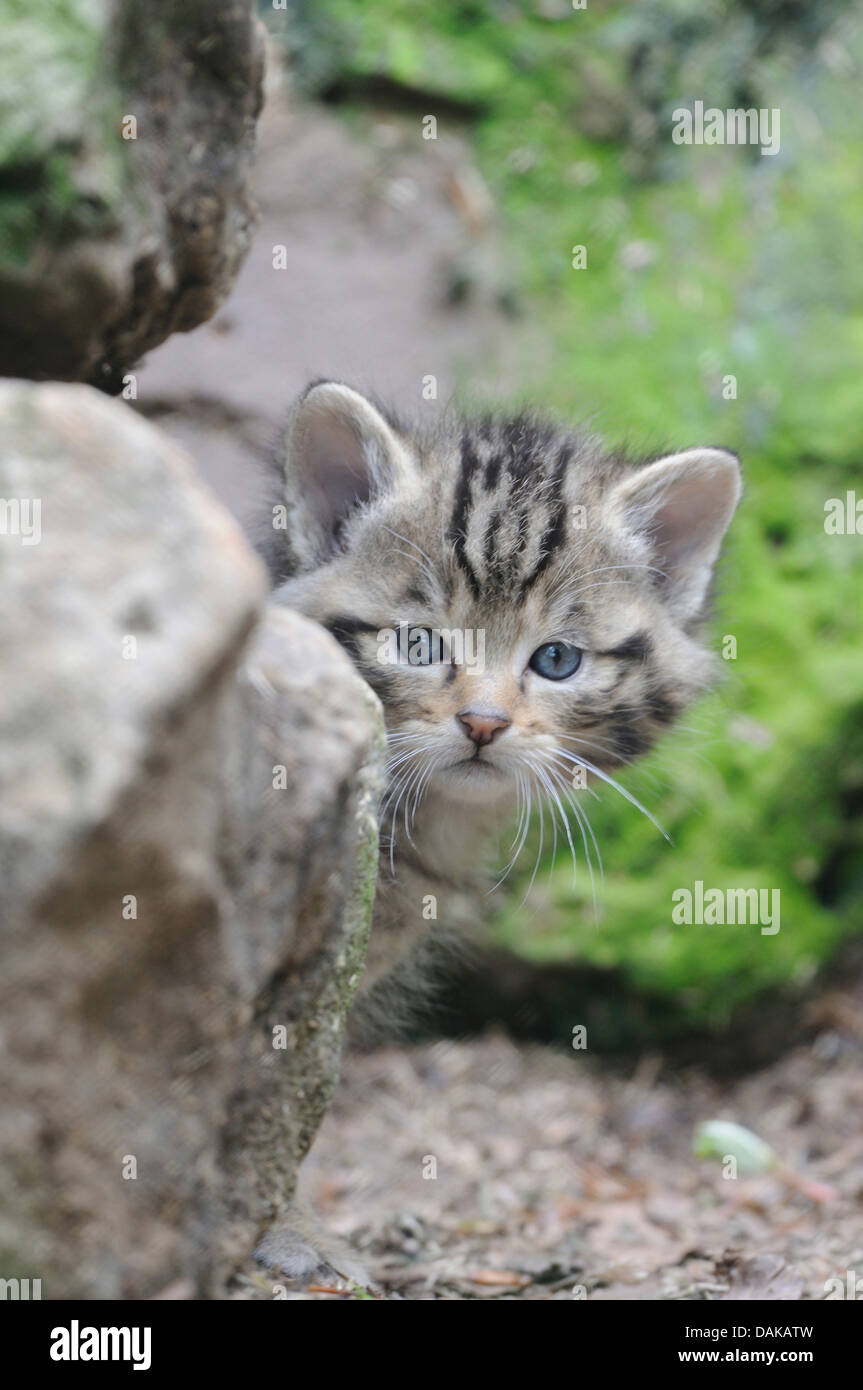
[556, 1178]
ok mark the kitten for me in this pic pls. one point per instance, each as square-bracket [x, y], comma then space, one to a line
[580, 579]
[528, 608]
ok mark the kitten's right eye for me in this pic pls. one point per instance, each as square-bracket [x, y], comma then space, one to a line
[555, 660]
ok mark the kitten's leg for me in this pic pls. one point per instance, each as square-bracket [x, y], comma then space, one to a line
[301, 1248]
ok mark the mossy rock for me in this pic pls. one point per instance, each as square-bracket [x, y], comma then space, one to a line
[126, 136]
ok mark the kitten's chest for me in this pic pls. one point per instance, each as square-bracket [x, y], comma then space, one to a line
[449, 841]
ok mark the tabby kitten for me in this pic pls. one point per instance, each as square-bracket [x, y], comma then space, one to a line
[579, 578]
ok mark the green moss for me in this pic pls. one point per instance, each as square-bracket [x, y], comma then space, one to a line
[61, 166]
[358, 912]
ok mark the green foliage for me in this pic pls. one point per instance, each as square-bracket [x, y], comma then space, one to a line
[704, 262]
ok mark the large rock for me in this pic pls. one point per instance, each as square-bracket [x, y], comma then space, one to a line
[187, 853]
[126, 138]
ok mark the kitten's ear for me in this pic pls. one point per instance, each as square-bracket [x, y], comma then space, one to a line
[340, 451]
[682, 506]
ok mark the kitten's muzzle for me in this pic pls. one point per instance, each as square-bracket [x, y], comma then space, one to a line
[482, 728]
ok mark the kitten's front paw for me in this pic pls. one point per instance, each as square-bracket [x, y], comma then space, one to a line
[286, 1252]
[303, 1249]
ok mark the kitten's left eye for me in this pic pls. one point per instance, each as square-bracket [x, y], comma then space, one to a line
[555, 660]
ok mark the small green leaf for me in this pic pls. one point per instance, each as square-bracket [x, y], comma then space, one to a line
[722, 1139]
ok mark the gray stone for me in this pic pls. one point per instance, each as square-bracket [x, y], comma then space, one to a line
[149, 783]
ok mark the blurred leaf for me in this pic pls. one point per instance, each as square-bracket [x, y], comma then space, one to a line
[721, 1139]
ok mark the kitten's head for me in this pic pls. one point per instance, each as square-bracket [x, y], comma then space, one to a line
[522, 602]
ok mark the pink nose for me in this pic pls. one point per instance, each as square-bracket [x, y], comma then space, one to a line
[482, 728]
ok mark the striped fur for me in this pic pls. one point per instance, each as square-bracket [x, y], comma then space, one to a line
[531, 534]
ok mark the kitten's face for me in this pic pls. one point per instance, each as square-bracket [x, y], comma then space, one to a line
[525, 607]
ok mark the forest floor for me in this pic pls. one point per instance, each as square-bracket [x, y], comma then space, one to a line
[482, 1169]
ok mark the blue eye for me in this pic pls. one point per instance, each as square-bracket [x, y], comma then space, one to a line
[555, 660]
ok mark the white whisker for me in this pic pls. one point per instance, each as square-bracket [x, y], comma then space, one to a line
[547, 776]
[605, 777]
